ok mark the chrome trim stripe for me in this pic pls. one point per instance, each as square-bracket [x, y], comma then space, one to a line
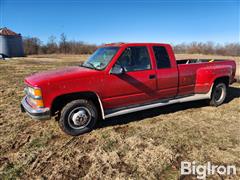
[101, 106]
[173, 101]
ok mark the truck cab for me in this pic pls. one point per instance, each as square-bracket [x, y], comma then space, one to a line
[123, 78]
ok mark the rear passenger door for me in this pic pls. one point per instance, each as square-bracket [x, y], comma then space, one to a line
[167, 73]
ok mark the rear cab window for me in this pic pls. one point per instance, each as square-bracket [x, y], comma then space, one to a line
[161, 56]
[135, 58]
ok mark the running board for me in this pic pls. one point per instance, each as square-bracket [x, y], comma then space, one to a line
[121, 111]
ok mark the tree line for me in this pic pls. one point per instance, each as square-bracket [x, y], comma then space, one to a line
[33, 45]
[228, 49]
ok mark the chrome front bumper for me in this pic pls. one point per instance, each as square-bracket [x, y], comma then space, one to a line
[38, 114]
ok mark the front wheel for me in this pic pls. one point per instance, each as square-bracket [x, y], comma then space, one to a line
[219, 94]
[78, 117]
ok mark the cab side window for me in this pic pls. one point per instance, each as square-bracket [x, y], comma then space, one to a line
[135, 59]
[161, 56]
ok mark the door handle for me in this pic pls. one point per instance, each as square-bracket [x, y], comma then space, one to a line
[152, 76]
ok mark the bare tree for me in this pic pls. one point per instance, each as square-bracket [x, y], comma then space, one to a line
[52, 46]
[32, 45]
[63, 45]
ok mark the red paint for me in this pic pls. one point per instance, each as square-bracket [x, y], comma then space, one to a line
[132, 87]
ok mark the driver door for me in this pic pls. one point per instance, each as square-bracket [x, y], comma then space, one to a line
[136, 85]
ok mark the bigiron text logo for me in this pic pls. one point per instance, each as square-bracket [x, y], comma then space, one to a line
[202, 171]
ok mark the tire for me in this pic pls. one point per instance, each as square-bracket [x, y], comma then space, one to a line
[219, 94]
[78, 117]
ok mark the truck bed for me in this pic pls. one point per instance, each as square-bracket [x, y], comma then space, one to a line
[196, 75]
[194, 61]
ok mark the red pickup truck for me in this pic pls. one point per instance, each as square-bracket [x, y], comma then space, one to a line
[123, 78]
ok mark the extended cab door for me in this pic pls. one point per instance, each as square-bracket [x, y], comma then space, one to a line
[136, 85]
[166, 70]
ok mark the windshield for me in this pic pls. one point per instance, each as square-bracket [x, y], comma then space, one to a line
[100, 58]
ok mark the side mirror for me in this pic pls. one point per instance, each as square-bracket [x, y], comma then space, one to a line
[117, 69]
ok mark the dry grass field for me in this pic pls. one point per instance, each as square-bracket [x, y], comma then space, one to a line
[144, 145]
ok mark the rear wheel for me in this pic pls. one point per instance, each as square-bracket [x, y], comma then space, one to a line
[78, 117]
[219, 94]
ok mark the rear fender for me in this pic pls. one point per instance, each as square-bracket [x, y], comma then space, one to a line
[206, 77]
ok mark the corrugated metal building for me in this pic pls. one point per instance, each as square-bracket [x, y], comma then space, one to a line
[11, 44]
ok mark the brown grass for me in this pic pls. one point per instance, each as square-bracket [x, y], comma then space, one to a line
[148, 144]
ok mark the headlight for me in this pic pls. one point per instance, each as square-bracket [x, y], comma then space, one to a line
[34, 92]
[34, 96]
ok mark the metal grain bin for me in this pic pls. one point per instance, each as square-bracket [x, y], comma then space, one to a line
[11, 44]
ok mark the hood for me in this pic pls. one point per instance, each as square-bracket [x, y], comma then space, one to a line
[58, 74]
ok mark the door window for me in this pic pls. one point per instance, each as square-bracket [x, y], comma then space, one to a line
[135, 59]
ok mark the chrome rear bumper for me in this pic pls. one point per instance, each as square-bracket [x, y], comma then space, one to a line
[38, 114]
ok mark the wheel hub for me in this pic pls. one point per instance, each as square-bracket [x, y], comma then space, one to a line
[79, 118]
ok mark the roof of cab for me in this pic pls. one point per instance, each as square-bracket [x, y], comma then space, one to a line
[121, 44]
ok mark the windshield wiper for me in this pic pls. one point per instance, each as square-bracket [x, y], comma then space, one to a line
[91, 65]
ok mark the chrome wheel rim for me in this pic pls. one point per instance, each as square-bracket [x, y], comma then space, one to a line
[219, 93]
[79, 118]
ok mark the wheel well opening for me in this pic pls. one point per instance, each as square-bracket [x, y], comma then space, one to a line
[224, 79]
[60, 101]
